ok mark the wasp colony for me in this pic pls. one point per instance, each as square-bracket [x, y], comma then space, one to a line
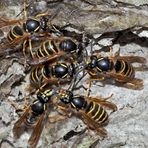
[72, 77]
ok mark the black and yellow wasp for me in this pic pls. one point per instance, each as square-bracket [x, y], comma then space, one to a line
[23, 31]
[58, 73]
[118, 69]
[90, 109]
[54, 48]
[34, 116]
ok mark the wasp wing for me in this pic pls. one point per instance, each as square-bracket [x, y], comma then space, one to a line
[93, 125]
[50, 58]
[33, 140]
[19, 125]
[132, 59]
[8, 46]
[103, 102]
[5, 22]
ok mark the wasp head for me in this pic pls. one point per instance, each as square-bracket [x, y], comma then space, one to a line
[45, 96]
[66, 96]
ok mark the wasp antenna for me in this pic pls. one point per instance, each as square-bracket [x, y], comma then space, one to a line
[73, 82]
[25, 11]
[22, 11]
[91, 47]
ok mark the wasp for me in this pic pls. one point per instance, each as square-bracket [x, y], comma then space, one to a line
[58, 73]
[24, 30]
[52, 49]
[90, 109]
[117, 68]
[34, 117]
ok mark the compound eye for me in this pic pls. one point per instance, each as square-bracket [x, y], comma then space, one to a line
[39, 95]
[64, 100]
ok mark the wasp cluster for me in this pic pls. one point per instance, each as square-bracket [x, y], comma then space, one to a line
[57, 60]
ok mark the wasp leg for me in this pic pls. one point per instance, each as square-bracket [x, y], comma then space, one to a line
[97, 79]
[55, 81]
[43, 86]
[88, 87]
[117, 53]
[14, 105]
[17, 108]
[68, 58]
[111, 51]
[24, 54]
[79, 87]
[93, 78]
[107, 98]
[64, 109]
[96, 53]
[30, 48]
[75, 87]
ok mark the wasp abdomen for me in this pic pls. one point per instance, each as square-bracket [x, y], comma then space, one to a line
[39, 73]
[14, 33]
[47, 48]
[31, 120]
[97, 112]
[31, 25]
[60, 70]
[68, 45]
[78, 102]
[104, 64]
[38, 107]
[124, 68]
[63, 70]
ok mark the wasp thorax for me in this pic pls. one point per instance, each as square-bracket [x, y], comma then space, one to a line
[68, 45]
[32, 25]
[66, 97]
[38, 107]
[78, 102]
[104, 64]
[60, 70]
